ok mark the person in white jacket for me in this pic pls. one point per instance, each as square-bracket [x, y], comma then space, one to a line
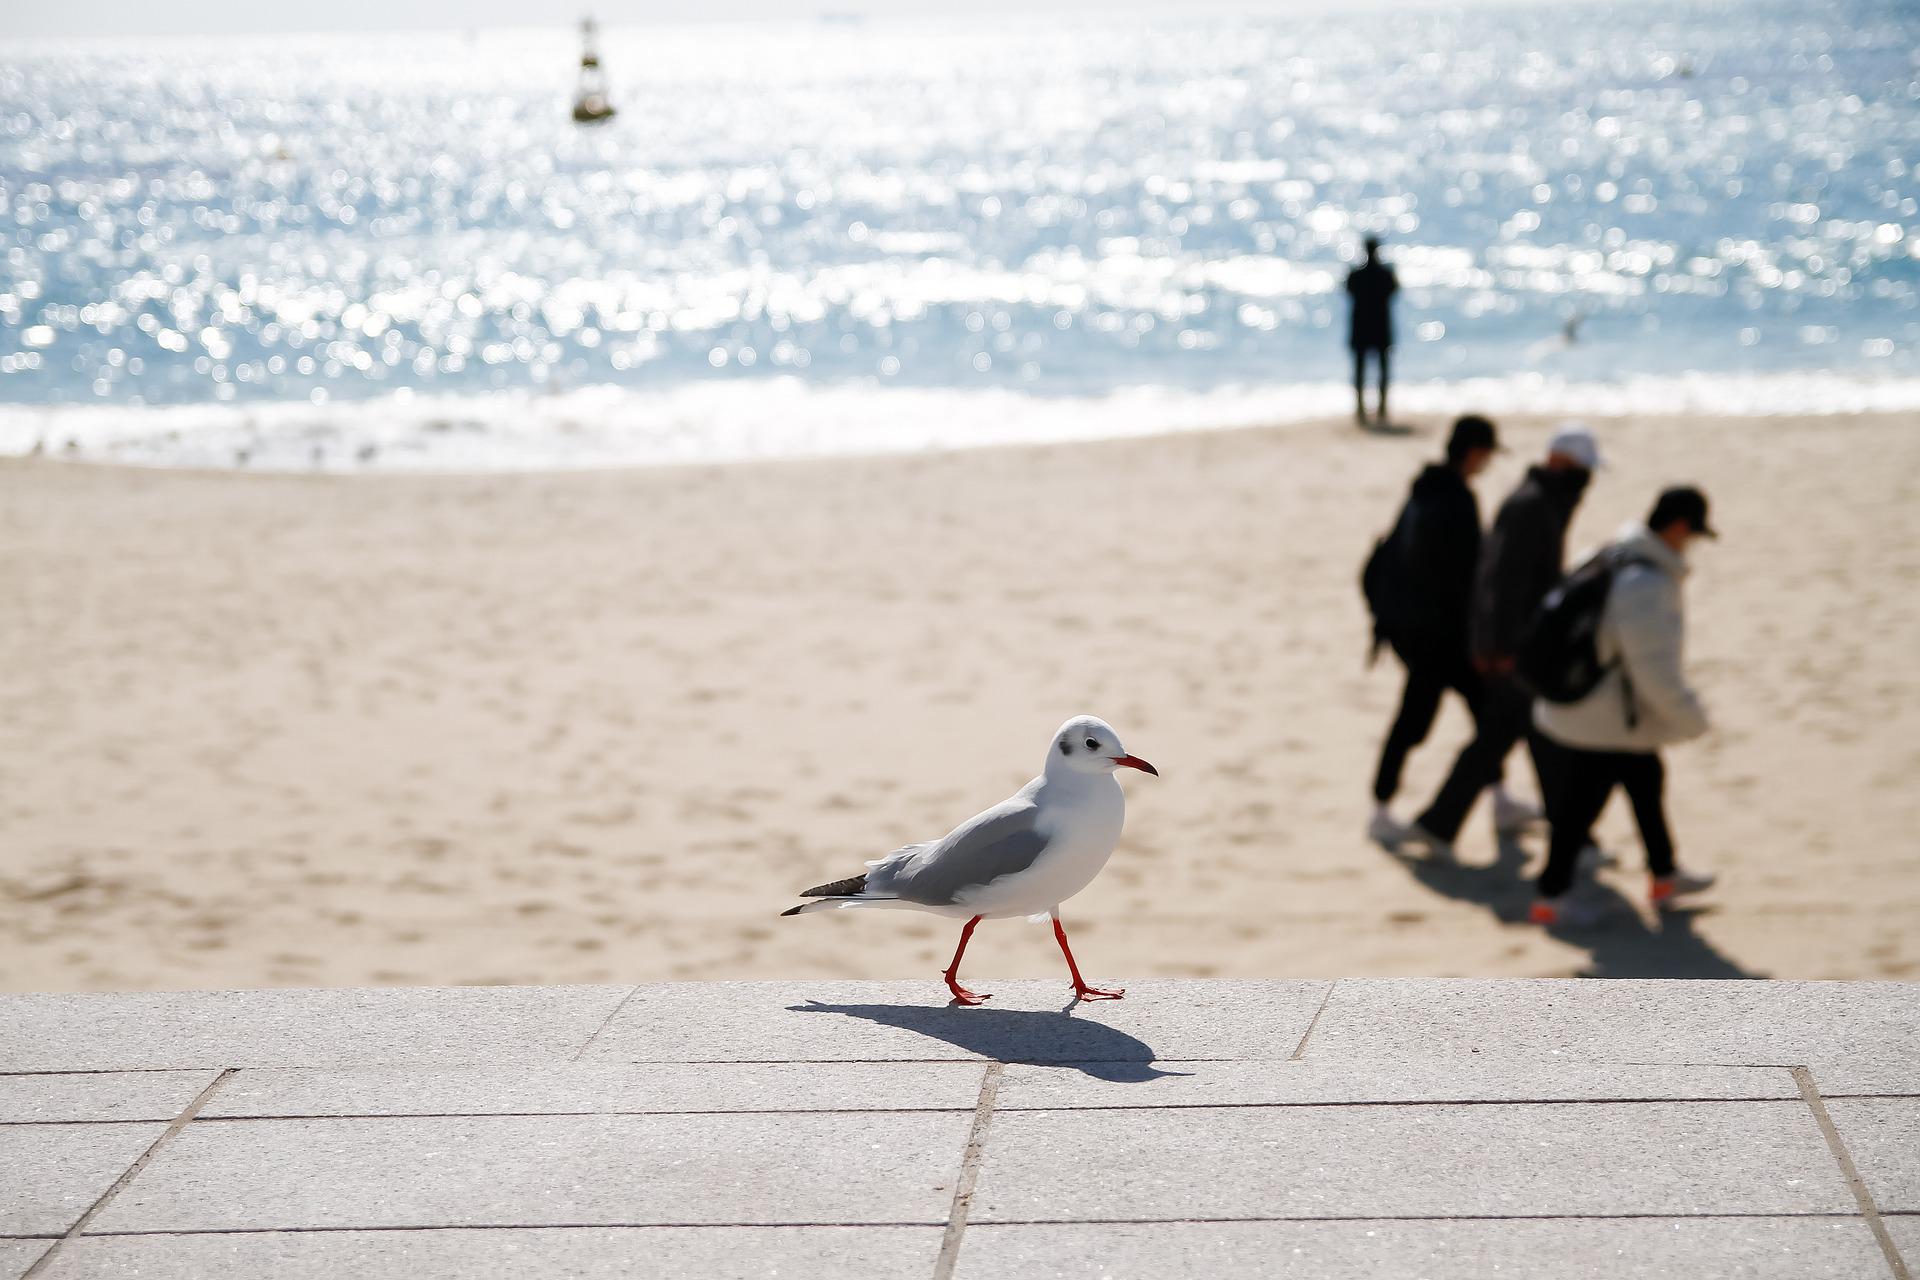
[1612, 737]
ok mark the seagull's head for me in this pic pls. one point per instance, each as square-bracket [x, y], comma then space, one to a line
[1088, 744]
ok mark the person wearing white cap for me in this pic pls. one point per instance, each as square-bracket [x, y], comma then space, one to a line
[1521, 559]
[1573, 444]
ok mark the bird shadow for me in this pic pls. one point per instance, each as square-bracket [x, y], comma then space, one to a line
[1033, 1036]
[1621, 943]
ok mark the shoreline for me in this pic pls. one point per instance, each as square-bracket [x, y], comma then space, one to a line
[610, 427]
[596, 725]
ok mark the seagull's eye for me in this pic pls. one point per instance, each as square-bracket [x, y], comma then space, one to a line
[1093, 744]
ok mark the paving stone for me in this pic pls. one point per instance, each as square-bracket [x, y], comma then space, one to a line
[578, 1253]
[602, 1087]
[1588, 1103]
[848, 1167]
[50, 1174]
[17, 1255]
[1388, 1020]
[1883, 1137]
[1564, 1248]
[1027, 1021]
[1393, 1161]
[1199, 1084]
[1906, 1238]
[116, 1095]
[306, 1028]
[1867, 1076]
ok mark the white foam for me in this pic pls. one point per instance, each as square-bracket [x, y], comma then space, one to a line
[741, 420]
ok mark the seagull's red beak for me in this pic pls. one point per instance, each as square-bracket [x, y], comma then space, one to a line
[1135, 762]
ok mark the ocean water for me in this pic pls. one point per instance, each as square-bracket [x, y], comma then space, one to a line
[400, 251]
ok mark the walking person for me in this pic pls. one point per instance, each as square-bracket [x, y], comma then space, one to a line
[1371, 287]
[1612, 736]
[1420, 586]
[1520, 561]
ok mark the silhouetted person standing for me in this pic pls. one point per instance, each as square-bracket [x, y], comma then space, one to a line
[1371, 286]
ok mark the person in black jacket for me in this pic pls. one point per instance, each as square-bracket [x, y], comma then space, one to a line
[1432, 551]
[1522, 559]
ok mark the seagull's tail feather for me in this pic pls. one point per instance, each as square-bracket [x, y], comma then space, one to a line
[829, 904]
[850, 887]
[851, 892]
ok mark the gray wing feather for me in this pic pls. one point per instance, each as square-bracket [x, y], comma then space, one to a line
[1003, 841]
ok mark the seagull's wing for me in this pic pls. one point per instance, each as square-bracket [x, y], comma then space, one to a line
[1002, 841]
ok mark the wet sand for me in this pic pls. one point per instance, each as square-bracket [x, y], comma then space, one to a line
[268, 730]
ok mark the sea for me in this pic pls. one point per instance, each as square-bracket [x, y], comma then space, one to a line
[398, 251]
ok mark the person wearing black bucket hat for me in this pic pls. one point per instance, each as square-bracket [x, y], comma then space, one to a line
[1419, 587]
[1684, 507]
[1612, 736]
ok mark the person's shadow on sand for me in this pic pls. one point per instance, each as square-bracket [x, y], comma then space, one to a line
[1017, 1035]
[1621, 943]
[1377, 428]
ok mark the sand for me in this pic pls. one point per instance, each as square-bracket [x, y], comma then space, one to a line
[263, 730]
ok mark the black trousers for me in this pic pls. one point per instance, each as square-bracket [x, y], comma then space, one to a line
[1429, 675]
[1581, 782]
[1382, 357]
[1503, 716]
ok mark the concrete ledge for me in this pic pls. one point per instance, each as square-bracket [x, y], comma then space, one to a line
[156, 1030]
[1357, 1128]
[578, 1253]
[1563, 1248]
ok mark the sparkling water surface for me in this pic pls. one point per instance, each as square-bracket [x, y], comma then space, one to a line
[994, 212]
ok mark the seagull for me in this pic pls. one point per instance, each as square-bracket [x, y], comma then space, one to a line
[1023, 857]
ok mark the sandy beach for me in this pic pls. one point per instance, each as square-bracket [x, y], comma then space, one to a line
[262, 730]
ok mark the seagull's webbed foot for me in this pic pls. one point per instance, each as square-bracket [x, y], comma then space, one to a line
[963, 996]
[1098, 993]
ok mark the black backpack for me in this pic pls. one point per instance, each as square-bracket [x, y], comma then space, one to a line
[1383, 582]
[1559, 655]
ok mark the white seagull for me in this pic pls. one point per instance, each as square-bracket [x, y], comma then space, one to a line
[1023, 857]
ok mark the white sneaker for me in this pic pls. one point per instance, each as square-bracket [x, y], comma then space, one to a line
[1679, 884]
[1511, 814]
[1386, 830]
[1593, 859]
[1438, 850]
[1394, 835]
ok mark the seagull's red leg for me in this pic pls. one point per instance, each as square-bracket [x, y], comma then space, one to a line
[1080, 988]
[960, 994]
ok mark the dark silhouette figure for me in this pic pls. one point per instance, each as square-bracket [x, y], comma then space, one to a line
[1423, 593]
[1371, 286]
